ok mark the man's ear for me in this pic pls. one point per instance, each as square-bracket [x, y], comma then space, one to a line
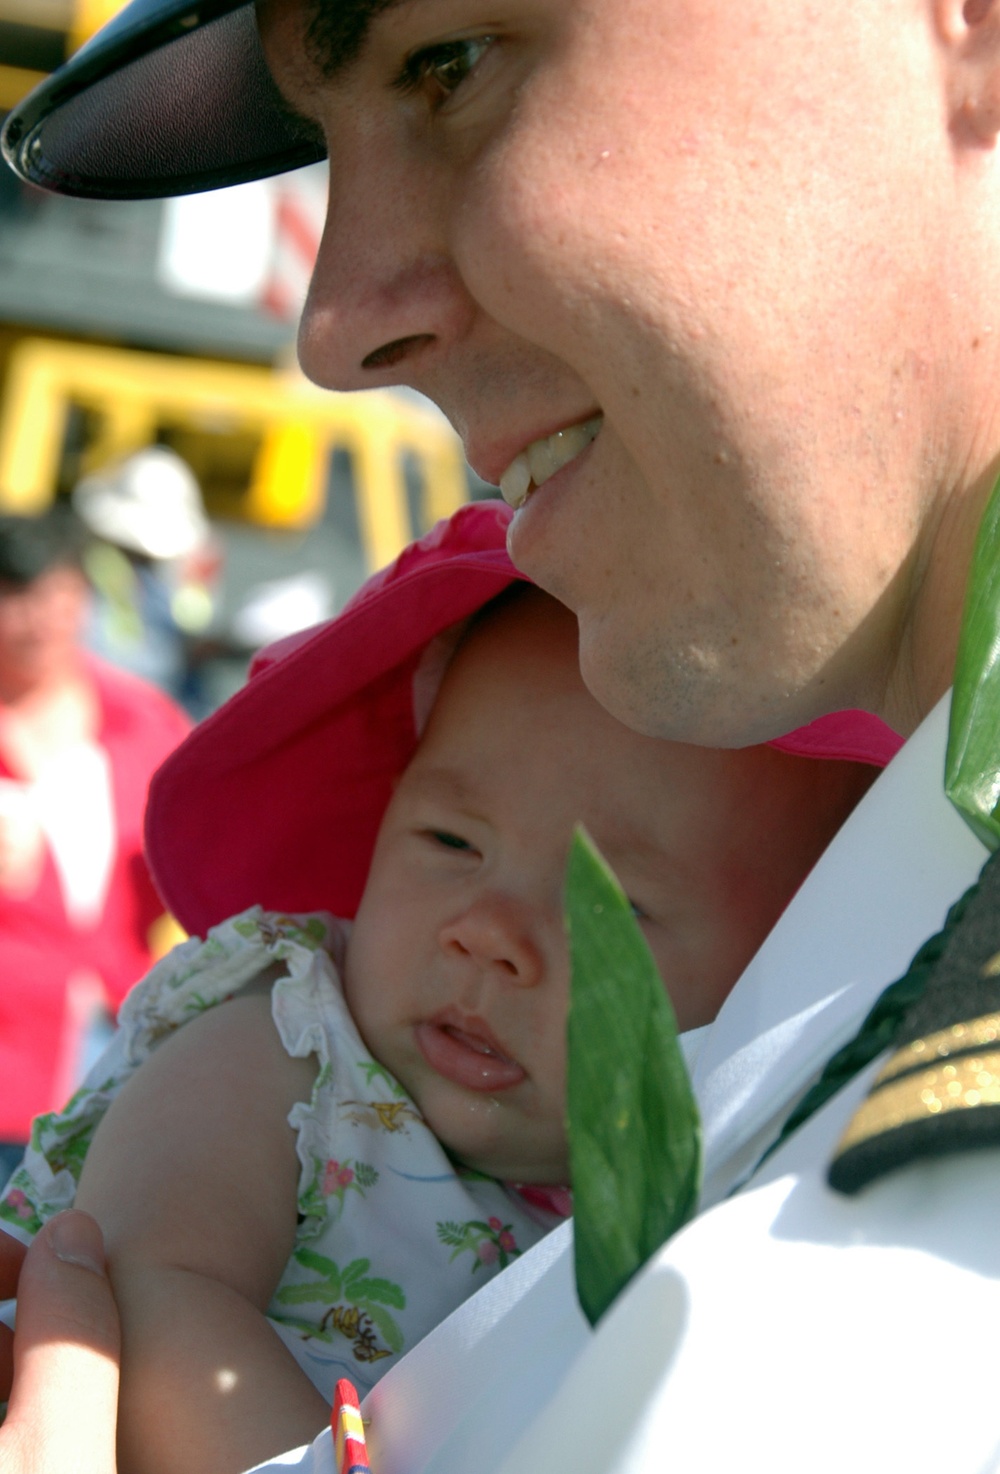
[970, 33]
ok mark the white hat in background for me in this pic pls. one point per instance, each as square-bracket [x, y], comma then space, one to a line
[149, 503]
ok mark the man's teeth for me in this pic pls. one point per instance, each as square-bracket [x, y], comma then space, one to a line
[543, 458]
[516, 481]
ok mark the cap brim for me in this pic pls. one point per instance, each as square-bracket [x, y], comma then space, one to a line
[170, 98]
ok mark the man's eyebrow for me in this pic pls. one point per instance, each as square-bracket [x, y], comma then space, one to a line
[336, 30]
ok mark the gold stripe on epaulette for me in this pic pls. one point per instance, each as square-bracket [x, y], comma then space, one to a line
[956, 1039]
[961, 1086]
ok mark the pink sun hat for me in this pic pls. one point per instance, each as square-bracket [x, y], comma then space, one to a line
[277, 798]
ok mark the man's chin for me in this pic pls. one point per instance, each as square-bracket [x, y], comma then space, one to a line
[691, 696]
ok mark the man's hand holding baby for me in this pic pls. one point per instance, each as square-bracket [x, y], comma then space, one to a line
[63, 1403]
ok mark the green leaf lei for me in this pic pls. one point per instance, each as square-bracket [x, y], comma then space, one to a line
[972, 764]
[634, 1130]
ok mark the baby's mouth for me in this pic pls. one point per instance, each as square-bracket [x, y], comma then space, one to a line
[467, 1053]
[543, 458]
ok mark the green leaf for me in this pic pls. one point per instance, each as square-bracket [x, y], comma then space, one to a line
[469, 1174]
[332, 1277]
[311, 1260]
[972, 764]
[635, 1135]
[370, 1291]
[386, 1327]
[314, 930]
[320, 1290]
[451, 1233]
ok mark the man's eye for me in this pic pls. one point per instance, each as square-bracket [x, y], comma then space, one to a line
[443, 68]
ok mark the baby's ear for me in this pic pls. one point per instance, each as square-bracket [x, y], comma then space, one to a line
[970, 33]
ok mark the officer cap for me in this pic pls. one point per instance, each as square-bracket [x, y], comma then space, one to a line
[172, 97]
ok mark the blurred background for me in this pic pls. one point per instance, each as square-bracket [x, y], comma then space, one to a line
[193, 498]
[172, 323]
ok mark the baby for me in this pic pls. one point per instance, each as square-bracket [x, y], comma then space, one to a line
[375, 1122]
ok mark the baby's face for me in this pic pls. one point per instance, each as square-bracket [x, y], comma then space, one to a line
[457, 969]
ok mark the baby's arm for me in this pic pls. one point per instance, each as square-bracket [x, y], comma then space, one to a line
[193, 1176]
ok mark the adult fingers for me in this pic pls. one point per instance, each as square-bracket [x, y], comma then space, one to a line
[64, 1401]
[12, 1254]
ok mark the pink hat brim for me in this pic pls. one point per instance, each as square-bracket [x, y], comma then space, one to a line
[853, 736]
[277, 798]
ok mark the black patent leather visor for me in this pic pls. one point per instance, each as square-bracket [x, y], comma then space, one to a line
[170, 98]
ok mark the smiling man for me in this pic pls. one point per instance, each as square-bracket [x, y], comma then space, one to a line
[688, 286]
[712, 294]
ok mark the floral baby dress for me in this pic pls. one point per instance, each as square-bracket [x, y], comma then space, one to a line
[392, 1234]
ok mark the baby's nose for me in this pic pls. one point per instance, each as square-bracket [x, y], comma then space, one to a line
[500, 933]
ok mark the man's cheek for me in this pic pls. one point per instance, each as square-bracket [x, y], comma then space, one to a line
[516, 234]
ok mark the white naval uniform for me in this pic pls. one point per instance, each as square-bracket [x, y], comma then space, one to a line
[787, 1324]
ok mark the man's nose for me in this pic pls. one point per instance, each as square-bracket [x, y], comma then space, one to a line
[503, 935]
[385, 293]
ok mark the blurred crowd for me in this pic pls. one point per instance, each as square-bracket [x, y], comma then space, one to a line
[152, 563]
[100, 602]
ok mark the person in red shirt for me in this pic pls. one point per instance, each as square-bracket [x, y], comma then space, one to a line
[79, 741]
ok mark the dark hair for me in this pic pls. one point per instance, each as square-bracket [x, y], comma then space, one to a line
[335, 34]
[30, 546]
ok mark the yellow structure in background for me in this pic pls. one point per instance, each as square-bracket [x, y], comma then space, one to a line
[290, 429]
[74, 20]
[15, 83]
[89, 16]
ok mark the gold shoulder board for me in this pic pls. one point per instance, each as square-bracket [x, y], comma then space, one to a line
[939, 1091]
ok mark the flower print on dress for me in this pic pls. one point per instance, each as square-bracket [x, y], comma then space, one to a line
[381, 1115]
[490, 1242]
[356, 1305]
[373, 1069]
[273, 929]
[46, 1181]
[333, 1179]
[19, 1204]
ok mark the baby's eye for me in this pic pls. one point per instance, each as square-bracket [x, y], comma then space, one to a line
[448, 840]
[638, 912]
[443, 68]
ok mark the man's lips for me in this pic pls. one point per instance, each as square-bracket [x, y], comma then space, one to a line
[543, 458]
[465, 1051]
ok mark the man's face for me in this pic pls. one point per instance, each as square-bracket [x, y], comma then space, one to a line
[712, 237]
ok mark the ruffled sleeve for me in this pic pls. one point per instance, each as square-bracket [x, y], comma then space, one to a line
[192, 978]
